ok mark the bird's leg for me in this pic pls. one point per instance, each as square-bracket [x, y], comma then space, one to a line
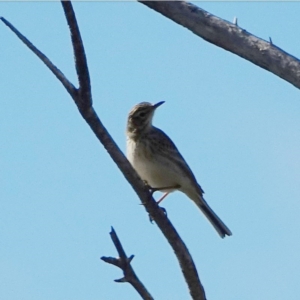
[153, 190]
[162, 198]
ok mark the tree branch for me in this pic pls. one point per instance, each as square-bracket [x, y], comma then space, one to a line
[231, 37]
[59, 75]
[83, 99]
[79, 55]
[123, 262]
[184, 258]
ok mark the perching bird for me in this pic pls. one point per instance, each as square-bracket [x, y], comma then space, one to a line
[158, 162]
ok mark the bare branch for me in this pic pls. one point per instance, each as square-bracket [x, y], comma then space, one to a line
[82, 97]
[123, 262]
[231, 37]
[185, 260]
[79, 54]
[59, 75]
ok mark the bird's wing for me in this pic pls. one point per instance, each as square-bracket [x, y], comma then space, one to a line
[167, 148]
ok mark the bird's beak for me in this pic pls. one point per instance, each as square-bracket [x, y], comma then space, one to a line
[158, 104]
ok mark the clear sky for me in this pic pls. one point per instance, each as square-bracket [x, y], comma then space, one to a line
[236, 124]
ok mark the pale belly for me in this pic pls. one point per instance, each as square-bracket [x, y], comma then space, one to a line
[158, 172]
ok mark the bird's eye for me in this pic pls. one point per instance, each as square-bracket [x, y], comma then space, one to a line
[142, 114]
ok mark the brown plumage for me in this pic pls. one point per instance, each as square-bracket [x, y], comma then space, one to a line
[158, 161]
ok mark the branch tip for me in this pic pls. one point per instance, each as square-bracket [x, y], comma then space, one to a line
[121, 280]
[130, 258]
[112, 230]
[235, 21]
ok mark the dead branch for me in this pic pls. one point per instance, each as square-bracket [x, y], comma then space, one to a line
[231, 37]
[123, 262]
[83, 99]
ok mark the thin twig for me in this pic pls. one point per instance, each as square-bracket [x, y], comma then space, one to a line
[59, 75]
[124, 263]
[231, 38]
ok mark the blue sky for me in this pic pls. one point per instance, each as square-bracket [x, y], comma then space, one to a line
[236, 124]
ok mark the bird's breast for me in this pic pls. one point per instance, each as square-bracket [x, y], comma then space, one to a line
[151, 167]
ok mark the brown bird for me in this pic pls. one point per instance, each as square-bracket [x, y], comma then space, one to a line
[158, 162]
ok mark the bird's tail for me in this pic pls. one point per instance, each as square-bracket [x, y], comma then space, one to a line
[221, 228]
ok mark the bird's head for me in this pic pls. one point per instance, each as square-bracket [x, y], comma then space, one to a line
[140, 117]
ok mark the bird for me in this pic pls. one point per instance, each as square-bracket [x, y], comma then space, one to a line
[160, 165]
